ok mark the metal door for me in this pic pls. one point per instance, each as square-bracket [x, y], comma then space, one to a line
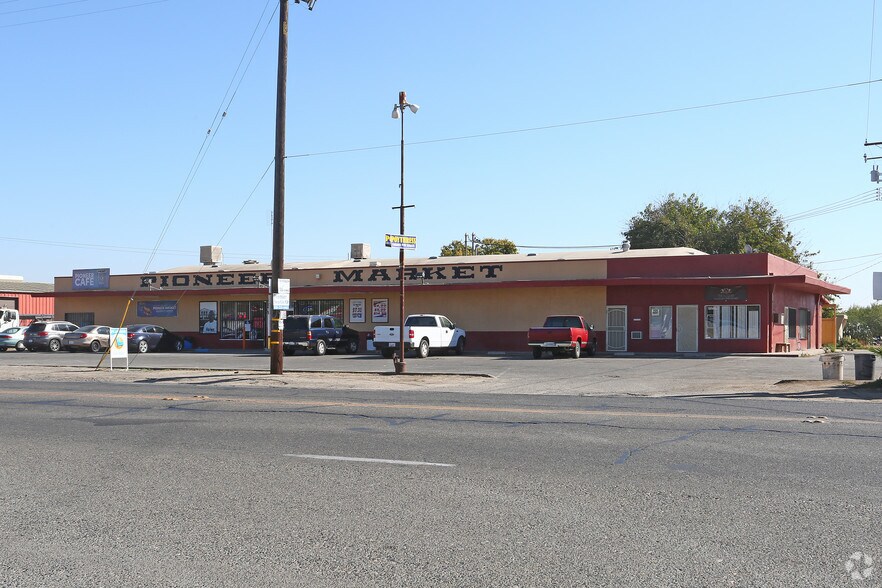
[687, 328]
[616, 328]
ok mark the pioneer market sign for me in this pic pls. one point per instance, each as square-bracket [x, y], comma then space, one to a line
[430, 273]
[205, 280]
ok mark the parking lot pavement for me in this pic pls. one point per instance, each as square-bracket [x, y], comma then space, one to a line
[471, 373]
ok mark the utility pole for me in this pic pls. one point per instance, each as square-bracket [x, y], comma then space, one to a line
[276, 349]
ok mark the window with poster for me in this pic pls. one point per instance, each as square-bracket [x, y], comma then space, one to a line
[243, 318]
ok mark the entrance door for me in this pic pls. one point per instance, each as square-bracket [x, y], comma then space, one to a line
[616, 328]
[687, 328]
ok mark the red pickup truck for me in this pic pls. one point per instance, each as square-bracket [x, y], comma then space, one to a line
[568, 334]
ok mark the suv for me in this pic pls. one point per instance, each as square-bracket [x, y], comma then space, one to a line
[318, 333]
[47, 335]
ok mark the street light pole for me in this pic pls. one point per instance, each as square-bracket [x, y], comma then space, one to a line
[398, 112]
[275, 339]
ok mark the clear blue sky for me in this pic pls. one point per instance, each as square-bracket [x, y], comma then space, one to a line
[104, 115]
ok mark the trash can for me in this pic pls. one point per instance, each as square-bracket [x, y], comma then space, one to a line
[831, 366]
[864, 366]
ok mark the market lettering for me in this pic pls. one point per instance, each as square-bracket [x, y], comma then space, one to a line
[460, 272]
[353, 276]
[381, 274]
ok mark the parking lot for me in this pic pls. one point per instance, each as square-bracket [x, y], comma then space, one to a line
[515, 373]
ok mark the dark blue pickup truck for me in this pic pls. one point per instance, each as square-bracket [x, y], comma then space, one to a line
[317, 333]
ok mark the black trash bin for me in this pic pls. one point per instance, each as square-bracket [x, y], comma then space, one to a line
[864, 366]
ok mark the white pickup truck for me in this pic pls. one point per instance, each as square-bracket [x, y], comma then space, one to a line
[425, 333]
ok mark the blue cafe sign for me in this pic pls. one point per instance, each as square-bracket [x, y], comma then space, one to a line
[91, 279]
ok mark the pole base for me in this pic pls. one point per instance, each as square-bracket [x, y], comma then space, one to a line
[399, 365]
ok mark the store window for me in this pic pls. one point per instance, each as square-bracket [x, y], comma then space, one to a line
[735, 321]
[81, 319]
[660, 319]
[333, 308]
[243, 319]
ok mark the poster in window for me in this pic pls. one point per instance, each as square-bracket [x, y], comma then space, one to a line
[356, 310]
[380, 310]
[208, 317]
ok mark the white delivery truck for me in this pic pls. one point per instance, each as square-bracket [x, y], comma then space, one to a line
[423, 332]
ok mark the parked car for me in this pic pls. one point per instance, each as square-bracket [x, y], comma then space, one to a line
[424, 333]
[92, 337]
[47, 334]
[12, 338]
[144, 338]
[318, 333]
[563, 334]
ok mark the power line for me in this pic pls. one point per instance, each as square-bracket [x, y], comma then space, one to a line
[209, 137]
[42, 7]
[859, 199]
[596, 120]
[19, 24]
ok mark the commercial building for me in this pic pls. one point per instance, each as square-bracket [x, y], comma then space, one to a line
[642, 301]
[28, 298]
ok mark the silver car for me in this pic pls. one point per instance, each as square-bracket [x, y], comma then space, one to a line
[47, 335]
[95, 338]
[11, 338]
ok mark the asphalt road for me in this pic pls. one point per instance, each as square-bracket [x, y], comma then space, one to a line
[510, 373]
[164, 484]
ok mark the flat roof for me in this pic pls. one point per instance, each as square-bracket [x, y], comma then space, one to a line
[446, 260]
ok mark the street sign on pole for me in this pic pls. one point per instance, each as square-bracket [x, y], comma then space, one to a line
[282, 299]
[401, 241]
[877, 285]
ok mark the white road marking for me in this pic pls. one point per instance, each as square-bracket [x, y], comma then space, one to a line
[371, 460]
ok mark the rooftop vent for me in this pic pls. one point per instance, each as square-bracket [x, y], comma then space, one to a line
[210, 254]
[250, 261]
[360, 250]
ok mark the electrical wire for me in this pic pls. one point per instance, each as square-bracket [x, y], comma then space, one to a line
[20, 24]
[209, 138]
[849, 258]
[858, 200]
[241, 208]
[43, 7]
[596, 120]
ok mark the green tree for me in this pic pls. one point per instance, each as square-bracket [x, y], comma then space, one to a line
[486, 246]
[686, 222]
[675, 222]
[864, 322]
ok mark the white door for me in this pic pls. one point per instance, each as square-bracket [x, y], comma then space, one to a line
[687, 328]
[616, 328]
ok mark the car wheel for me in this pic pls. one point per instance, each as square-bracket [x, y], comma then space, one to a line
[577, 350]
[387, 353]
[54, 345]
[19, 346]
[143, 347]
[591, 350]
[320, 347]
[460, 346]
[352, 346]
[423, 349]
[537, 353]
[95, 346]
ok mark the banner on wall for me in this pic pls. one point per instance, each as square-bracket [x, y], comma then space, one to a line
[356, 310]
[157, 308]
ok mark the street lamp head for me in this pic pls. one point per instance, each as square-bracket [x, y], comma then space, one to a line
[309, 3]
[395, 113]
[413, 108]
